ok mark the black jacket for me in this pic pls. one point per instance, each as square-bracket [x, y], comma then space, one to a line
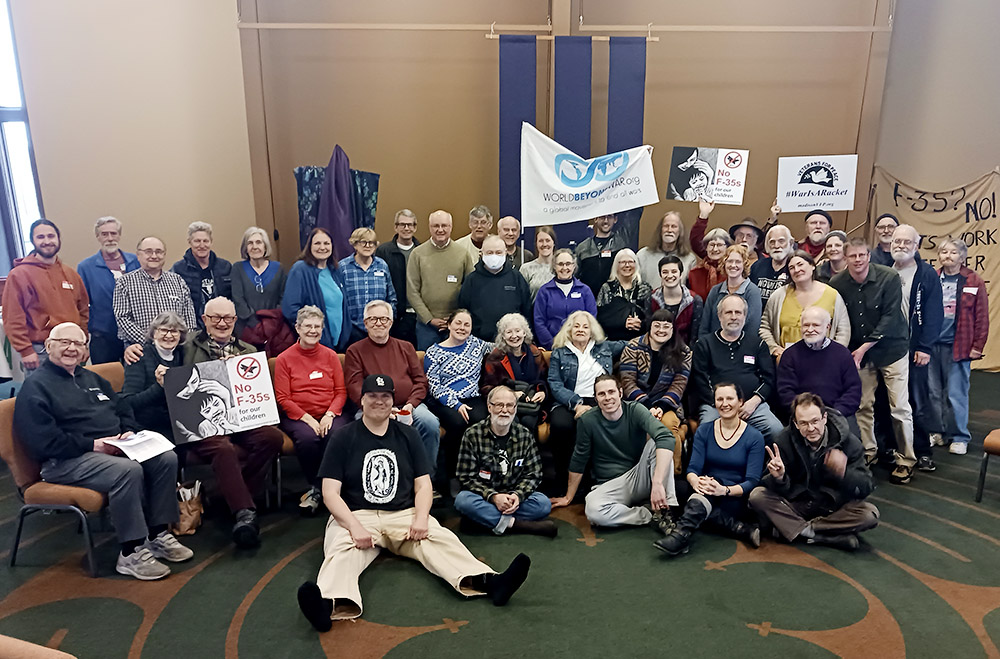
[488, 296]
[190, 272]
[394, 256]
[807, 480]
[58, 415]
[144, 395]
[926, 308]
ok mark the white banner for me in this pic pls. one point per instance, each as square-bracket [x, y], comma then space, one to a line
[558, 186]
[698, 172]
[808, 182]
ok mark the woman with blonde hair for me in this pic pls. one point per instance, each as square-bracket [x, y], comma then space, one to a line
[622, 300]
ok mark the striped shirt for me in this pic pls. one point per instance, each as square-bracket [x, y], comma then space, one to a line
[362, 286]
[138, 299]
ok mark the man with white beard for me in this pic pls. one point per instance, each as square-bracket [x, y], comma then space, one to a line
[923, 308]
[771, 273]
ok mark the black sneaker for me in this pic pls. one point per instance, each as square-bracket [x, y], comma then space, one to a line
[925, 463]
[316, 608]
[246, 531]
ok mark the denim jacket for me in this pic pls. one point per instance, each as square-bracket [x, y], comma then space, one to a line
[563, 367]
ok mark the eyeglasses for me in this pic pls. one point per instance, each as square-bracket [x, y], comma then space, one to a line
[65, 343]
[366, 243]
[406, 225]
[903, 241]
[504, 406]
[168, 331]
[153, 252]
[660, 324]
[815, 423]
[378, 320]
[220, 319]
[480, 223]
[258, 283]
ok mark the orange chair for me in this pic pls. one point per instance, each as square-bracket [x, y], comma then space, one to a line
[991, 446]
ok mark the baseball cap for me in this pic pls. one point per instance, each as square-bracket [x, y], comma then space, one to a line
[377, 383]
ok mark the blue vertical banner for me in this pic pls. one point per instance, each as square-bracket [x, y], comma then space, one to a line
[626, 104]
[572, 112]
[517, 104]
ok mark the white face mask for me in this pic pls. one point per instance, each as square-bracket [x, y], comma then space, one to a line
[494, 261]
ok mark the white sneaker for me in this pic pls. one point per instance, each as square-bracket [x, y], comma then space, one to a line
[311, 501]
[937, 439]
[959, 448]
[142, 565]
[166, 546]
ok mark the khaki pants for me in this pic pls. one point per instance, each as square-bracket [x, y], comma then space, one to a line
[896, 378]
[442, 553]
[852, 517]
[619, 501]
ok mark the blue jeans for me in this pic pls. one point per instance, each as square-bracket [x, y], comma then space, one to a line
[949, 383]
[430, 433]
[427, 335]
[481, 511]
[762, 419]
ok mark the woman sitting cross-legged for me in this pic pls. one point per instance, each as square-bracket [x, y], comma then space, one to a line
[654, 371]
[580, 354]
[727, 459]
[516, 363]
[310, 391]
[453, 369]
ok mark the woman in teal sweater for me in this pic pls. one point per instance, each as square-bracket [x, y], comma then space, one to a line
[315, 280]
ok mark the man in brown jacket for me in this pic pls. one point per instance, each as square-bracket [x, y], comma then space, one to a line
[41, 292]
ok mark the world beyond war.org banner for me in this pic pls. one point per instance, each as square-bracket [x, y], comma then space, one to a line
[968, 212]
[220, 397]
[558, 186]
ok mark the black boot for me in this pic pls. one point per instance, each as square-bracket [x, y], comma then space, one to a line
[848, 542]
[748, 533]
[679, 540]
[501, 586]
[246, 531]
[316, 608]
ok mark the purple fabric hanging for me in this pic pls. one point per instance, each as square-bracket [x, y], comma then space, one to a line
[336, 213]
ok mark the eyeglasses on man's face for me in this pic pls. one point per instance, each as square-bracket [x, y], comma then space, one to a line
[65, 343]
[220, 319]
[378, 320]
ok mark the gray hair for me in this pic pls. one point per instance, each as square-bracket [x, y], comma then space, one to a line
[716, 234]
[818, 310]
[508, 320]
[499, 389]
[957, 243]
[377, 303]
[107, 219]
[481, 211]
[624, 254]
[309, 311]
[195, 227]
[404, 212]
[169, 320]
[780, 228]
[746, 305]
[564, 250]
[250, 233]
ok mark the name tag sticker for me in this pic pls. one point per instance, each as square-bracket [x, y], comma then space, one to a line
[575, 295]
[606, 254]
[102, 397]
[379, 273]
[971, 289]
[518, 463]
[68, 286]
[316, 375]
[510, 288]
[485, 475]
[452, 279]
[749, 359]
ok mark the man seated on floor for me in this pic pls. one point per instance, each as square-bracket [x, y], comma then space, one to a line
[382, 353]
[817, 481]
[377, 488]
[632, 460]
[63, 415]
[820, 365]
[499, 469]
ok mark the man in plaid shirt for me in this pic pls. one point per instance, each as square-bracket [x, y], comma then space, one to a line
[499, 469]
[141, 295]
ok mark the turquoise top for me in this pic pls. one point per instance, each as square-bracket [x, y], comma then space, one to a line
[333, 300]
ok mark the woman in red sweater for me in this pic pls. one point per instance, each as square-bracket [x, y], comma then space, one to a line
[309, 387]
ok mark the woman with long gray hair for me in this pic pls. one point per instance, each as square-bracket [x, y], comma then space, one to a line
[516, 363]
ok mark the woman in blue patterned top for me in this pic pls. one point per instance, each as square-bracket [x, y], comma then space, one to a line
[727, 460]
[453, 368]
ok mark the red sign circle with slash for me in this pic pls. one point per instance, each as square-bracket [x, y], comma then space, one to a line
[733, 160]
[248, 368]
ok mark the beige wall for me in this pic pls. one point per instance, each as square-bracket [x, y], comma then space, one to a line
[942, 100]
[137, 111]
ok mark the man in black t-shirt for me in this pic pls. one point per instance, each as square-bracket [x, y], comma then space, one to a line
[377, 488]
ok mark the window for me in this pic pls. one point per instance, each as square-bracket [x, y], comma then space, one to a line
[20, 202]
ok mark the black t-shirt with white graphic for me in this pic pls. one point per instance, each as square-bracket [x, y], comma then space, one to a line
[768, 279]
[376, 473]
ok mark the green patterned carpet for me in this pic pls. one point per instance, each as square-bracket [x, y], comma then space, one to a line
[925, 584]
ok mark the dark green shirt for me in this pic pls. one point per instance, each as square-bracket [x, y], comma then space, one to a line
[614, 447]
[875, 307]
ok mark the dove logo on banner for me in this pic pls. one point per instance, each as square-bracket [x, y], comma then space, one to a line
[558, 186]
[809, 182]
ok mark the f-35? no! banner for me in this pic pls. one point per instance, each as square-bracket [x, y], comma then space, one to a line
[968, 212]
[558, 186]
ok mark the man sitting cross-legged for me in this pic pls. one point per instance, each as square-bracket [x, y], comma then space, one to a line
[63, 415]
[377, 488]
[499, 469]
[632, 460]
[817, 480]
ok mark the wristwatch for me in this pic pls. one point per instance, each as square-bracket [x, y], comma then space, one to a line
[727, 490]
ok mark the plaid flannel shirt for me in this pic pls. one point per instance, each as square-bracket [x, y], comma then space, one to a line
[362, 286]
[138, 299]
[479, 462]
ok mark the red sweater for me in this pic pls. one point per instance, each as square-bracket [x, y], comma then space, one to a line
[395, 358]
[309, 382]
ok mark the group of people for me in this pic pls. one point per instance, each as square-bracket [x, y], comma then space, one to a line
[732, 332]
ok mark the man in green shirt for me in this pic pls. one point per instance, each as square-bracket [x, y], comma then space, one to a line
[631, 460]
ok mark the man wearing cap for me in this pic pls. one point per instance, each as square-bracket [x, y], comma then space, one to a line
[818, 224]
[885, 226]
[377, 488]
[747, 233]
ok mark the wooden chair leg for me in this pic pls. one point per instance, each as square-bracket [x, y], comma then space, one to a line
[982, 477]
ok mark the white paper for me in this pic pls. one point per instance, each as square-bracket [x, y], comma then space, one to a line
[143, 445]
[809, 182]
